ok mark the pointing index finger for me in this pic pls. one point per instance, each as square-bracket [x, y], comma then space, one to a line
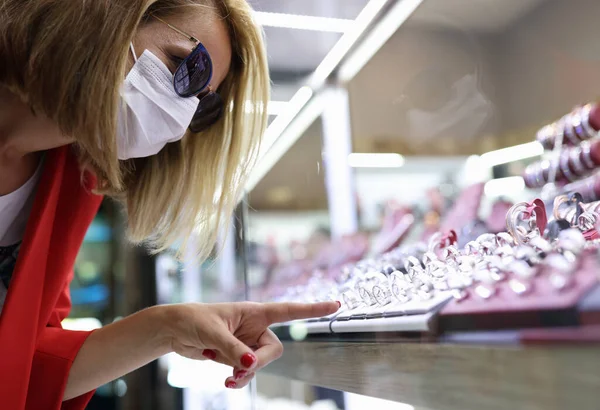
[285, 312]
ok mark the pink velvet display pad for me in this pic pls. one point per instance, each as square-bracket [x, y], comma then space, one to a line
[386, 241]
[542, 306]
[464, 210]
[542, 297]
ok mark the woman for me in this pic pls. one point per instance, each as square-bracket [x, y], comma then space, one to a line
[145, 101]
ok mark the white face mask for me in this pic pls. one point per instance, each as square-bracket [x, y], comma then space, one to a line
[152, 114]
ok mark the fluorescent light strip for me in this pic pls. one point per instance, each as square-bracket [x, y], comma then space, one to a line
[281, 122]
[299, 22]
[511, 154]
[304, 95]
[389, 25]
[504, 186]
[278, 141]
[344, 44]
[276, 107]
[360, 160]
[273, 107]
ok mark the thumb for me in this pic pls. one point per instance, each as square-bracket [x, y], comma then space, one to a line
[234, 350]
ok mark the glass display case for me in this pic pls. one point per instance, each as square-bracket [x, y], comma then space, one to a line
[441, 184]
[432, 165]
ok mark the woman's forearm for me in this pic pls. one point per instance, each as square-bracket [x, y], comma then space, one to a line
[117, 349]
[220, 332]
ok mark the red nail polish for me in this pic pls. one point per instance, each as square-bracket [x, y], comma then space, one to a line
[248, 360]
[339, 304]
[230, 384]
[240, 374]
[209, 354]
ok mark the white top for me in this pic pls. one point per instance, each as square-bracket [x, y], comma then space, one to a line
[14, 213]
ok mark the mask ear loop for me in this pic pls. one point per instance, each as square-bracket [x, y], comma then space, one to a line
[133, 52]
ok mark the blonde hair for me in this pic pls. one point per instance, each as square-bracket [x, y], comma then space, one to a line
[67, 60]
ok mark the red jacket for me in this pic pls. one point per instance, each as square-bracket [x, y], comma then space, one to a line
[35, 352]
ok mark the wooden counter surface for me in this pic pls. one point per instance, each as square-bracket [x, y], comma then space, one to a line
[451, 377]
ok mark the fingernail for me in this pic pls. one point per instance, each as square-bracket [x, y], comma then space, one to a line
[209, 354]
[339, 304]
[240, 374]
[248, 360]
[230, 384]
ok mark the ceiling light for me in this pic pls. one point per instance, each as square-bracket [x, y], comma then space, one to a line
[345, 44]
[504, 186]
[302, 111]
[511, 154]
[296, 21]
[389, 25]
[276, 107]
[360, 160]
[281, 122]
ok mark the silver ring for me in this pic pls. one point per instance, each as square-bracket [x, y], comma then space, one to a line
[488, 243]
[585, 121]
[365, 291]
[520, 287]
[545, 136]
[485, 292]
[436, 269]
[563, 165]
[350, 300]
[504, 238]
[527, 253]
[571, 215]
[577, 126]
[429, 257]
[451, 255]
[569, 131]
[541, 244]
[539, 174]
[382, 295]
[560, 281]
[522, 269]
[586, 158]
[587, 221]
[571, 240]
[592, 207]
[376, 276]
[467, 264]
[512, 222]
[400, 287]
[530, 175]
[410, 262]
[575, 156]
[472, 248]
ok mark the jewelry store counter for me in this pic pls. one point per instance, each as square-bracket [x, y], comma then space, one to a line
[451, 376]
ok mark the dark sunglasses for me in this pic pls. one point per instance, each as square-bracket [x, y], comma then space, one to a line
[192, 79]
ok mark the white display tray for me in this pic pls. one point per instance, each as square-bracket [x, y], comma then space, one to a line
[409, 323]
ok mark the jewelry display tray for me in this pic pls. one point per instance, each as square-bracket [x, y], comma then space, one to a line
[406, 354]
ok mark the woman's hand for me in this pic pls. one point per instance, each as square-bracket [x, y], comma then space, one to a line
[235, 334]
